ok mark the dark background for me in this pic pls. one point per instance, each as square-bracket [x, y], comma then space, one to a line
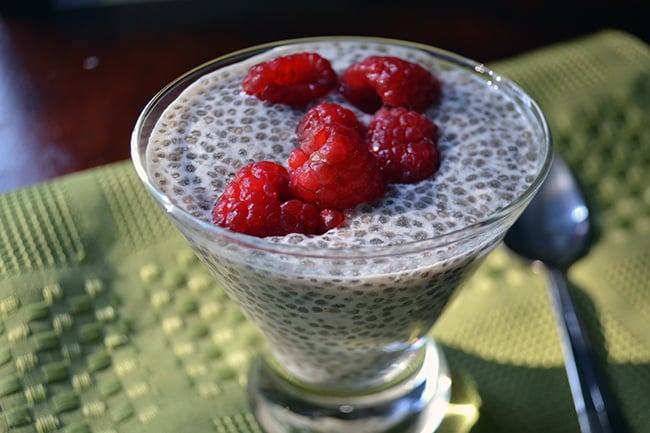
[74, 79]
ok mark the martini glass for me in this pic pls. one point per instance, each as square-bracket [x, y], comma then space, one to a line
[348, 347]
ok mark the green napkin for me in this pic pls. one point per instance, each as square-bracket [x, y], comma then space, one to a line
[108, 323]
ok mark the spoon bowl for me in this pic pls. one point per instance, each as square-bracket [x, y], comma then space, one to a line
[555, 231]
[556, 228]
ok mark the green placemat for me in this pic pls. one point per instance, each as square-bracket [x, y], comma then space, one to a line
[109, 324]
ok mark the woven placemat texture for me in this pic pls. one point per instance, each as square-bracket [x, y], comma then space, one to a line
[108, 322]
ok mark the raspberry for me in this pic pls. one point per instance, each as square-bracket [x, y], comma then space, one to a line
[405, 145]
[251, 201]
[296, 79]
[341, 174]
[299, 217]
[258, 202]
[310, 129]
[390, 81]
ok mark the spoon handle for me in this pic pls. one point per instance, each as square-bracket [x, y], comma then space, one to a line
[597, 409]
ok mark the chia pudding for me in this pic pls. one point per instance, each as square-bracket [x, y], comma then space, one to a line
[343, 309]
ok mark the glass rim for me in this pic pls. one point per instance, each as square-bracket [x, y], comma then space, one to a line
[138, 149]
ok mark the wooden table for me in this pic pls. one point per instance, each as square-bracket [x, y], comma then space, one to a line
[73, 82]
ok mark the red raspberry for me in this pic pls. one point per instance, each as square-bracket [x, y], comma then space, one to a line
[296, 79]
[390, 81]
[251, 201]
[310, 129]
[258, 202]
[341, 174]
[299, 217]
[405, 145]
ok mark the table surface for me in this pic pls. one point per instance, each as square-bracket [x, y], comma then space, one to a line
[72, 82]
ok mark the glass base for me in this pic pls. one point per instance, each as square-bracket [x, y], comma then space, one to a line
[416, 404]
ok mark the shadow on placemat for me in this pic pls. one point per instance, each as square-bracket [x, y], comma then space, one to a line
[494, 397]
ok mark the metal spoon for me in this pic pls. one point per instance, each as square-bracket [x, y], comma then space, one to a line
[555, 231]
